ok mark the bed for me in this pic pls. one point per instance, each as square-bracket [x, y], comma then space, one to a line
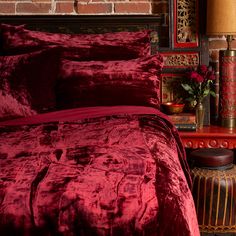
[84, 147]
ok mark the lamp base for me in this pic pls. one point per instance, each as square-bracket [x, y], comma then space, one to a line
[228, 88]
[229, 122]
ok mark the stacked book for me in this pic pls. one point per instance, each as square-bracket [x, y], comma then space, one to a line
[184, 121]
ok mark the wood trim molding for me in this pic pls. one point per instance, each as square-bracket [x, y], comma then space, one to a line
[210, 137]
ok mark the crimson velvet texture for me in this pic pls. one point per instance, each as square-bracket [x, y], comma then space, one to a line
[94, 171]
[97, 83]
[107, 46]
[27, 83]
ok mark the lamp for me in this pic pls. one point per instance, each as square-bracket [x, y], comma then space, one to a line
[221, 20]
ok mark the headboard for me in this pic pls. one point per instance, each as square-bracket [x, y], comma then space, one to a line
[90, 24]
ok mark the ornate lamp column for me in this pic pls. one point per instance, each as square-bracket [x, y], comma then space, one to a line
[221, 20]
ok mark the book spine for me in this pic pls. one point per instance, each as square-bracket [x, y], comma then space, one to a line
[191, 119]
[186, 127]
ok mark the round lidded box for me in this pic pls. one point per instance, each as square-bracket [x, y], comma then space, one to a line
[213, 158]
[214, 190]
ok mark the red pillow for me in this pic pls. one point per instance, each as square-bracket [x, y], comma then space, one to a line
[103, 83]
[27, 82]
[11, 108]
[107, 46]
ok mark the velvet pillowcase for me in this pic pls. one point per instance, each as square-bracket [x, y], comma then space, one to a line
[107, 46]
[27, 83]
[95, 69]
[104, 83]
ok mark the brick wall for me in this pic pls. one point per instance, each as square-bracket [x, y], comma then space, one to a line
[107, 7]
[215, 45]
[87, 7]
[20, 7]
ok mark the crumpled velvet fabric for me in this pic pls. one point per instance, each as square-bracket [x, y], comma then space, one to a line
[27, 82]
[113, 173]
[104, 83]
[106, 46]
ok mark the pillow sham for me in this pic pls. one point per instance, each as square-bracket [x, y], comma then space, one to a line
[105, 83]
[27, 82]
[107, 46]
[11, 108]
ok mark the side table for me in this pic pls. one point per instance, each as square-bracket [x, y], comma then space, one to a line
[209, 137]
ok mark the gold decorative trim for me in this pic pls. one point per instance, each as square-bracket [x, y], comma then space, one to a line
[217, 229]
[211, 201]
[226, 202]
[228, 143]
[218, 203]
[206, 173]
[231, 205]
[180, 59]
[186, 21]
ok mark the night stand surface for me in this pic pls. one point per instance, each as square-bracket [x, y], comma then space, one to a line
[209, 137]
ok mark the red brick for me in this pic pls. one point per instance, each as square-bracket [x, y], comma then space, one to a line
[116, 1]
[94, 8]
[7, 8]
[214, 55]
[132, 7]
[82, 1]
[233, 44]
[33, 7]
[160, 1]
[41, 1]
[64, 7]
[101, 0]
[217, 43]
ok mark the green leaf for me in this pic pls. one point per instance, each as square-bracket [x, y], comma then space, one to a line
[206, 92]
[190, 99]
[187, 87]
[213, 93]
[191, 92]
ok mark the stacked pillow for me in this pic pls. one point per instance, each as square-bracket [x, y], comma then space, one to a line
[107, 83]
[44, 71]
[27, 82]
[107, 46]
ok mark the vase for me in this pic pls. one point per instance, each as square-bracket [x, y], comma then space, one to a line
[200, 111]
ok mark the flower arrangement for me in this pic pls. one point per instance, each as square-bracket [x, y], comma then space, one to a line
[198, 83]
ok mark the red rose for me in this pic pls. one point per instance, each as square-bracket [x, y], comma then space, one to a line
[196, 77]
[211, 75]
[203, 69]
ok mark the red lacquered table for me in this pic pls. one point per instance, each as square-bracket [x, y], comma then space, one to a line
[210, 137]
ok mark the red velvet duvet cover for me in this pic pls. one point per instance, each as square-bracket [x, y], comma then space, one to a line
[94, 171]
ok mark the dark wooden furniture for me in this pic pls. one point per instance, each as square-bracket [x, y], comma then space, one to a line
[209, 137]
[188, 47]
[214, 188]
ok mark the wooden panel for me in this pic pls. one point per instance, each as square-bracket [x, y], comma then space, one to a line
[182, 60]
[170, 83]
[186, 34]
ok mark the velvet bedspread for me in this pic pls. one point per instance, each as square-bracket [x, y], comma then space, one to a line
[94, 171]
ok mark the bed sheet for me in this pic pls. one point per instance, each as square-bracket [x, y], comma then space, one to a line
[95, 171]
